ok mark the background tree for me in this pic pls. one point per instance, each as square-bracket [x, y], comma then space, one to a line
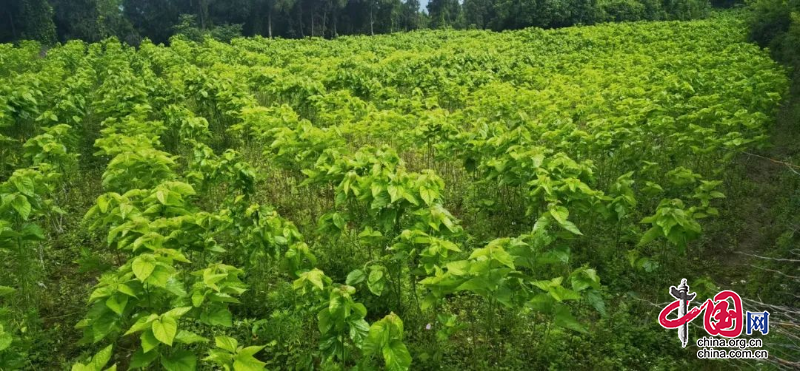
[77, 19]
[153, 19]
[410, 15]
[36, 18]
[336, 9]
[227, 12]
[158, 20]
[9, 20]
[444, 13]
[112, 22]
[389, 14]
[478, 13]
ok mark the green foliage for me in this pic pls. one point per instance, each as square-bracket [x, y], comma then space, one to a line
[622, 10]
[98, 362]
[188, 27]
[37, 18]
[293, 200]
[776, 24]
[165, 21]
[386, 339]
[230, 356]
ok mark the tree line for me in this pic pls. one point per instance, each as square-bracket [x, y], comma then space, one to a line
[51, 21]
[775, 24]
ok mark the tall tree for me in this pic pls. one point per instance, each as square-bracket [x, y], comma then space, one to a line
[76, 19]
[479, 13]
[336, 8]
[112, 22]
[36, 17]
[390, 14]
[283, 7]
[154, 19]
[371, 5]
[9, 20]
[201, 9]
[444, 13]
[410, 15]
[228, 12]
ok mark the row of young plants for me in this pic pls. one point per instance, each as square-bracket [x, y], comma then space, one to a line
[40, 108]
[345, 337]
[171, 293]
[161, 237]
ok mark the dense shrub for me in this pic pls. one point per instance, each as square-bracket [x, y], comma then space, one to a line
[775, 24]
[622, 10]
[686, 9]
[189, 29]
[652, 10]
[768, 20]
